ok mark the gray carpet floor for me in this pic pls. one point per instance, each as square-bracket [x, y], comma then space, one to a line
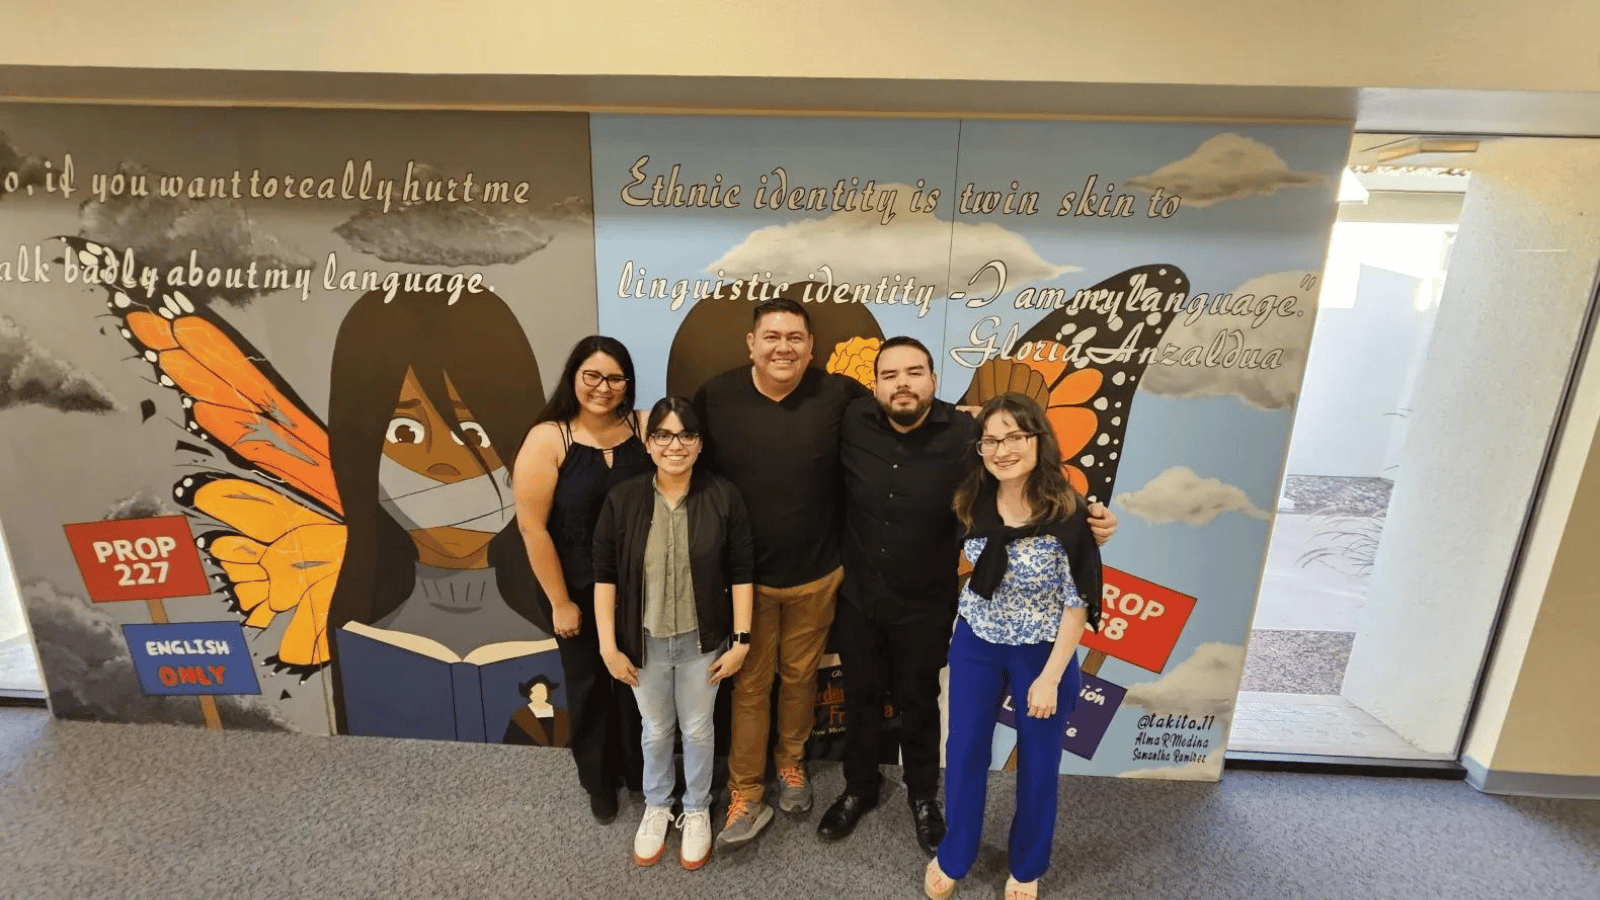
[1296, 662]
[124, 811]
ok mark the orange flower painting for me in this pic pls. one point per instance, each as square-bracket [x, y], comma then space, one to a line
[857, 358]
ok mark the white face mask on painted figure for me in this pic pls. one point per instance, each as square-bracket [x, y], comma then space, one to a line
[419, 503]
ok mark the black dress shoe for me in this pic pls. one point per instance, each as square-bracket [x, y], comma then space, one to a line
[929, 820]
[842, 816]
[604, 806]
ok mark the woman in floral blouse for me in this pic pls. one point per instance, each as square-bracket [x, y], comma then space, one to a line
[1035, 586]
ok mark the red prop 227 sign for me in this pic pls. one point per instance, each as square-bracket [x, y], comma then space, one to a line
[138, 559]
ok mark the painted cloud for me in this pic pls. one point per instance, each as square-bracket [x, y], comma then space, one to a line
[1274, 381]
[1181, 495]
[164, 231]
[441, 233]
[1205, 684]
[1225, 167]
[31, 374]
[858, 248]
[30, 169]
[142, 504]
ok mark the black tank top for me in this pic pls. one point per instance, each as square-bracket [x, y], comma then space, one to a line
[582, 483]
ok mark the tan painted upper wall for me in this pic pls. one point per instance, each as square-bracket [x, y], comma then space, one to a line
[1549, 725]
[1467, 44]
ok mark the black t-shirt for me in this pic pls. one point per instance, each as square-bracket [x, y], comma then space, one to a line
[783, 456]
[902, 539]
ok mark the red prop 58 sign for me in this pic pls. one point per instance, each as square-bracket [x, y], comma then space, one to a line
[1140, 620]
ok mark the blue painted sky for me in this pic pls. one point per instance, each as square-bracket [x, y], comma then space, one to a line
[1220, 247]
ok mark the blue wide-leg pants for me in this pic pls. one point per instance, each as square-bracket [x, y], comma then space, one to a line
[978, 672]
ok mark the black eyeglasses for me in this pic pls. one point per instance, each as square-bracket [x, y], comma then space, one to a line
[593, 379]
[684, 438]
[1013, 443]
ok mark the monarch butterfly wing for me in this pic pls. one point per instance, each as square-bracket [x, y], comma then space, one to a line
[274, 555]
[232, 397]
[1082, 364]
[279, 546]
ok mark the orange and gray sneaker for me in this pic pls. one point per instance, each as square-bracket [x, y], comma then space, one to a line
[745, 821]
[794, 790]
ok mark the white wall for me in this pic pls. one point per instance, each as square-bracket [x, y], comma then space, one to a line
[1520, 279]
[1374, 320]
[12, 622]
[1357, 378]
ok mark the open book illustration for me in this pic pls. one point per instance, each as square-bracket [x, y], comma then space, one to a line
[398, 684]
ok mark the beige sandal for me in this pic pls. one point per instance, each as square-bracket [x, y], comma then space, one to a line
[933, 878]
[1021, 890]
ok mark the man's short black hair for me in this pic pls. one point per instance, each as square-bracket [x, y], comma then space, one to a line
[901, 340]
[780, 305]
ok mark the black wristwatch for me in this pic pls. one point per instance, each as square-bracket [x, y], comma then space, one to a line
[741, 637]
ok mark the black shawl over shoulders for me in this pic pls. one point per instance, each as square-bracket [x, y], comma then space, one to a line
[1083, 554]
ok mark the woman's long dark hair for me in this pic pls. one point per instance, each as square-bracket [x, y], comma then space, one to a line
[1047, 491]
[476, 341]
[563, 405]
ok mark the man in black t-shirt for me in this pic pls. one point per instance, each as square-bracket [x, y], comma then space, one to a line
[772, 428]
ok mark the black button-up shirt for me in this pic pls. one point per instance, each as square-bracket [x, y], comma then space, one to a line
[902, 540]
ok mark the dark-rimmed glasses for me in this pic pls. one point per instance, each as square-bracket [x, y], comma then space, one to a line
[1012, 442]
[593, 379]
[685, 439]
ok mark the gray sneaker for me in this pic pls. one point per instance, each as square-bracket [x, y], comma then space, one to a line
[745, 821]
[794, 790]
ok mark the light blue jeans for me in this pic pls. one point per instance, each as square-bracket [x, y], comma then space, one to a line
[674, 691]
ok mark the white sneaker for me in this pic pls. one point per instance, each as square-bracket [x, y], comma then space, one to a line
[651, 838]
[696, 828]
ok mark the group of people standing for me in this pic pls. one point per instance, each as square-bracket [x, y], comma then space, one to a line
[709, 539]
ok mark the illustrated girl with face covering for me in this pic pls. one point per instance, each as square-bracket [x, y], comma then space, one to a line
[426, 396]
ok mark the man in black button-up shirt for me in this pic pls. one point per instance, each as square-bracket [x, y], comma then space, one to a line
[903, 453]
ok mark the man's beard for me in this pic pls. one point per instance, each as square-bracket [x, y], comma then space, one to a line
[907, 416]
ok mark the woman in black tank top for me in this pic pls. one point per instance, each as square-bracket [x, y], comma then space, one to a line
[584, 443]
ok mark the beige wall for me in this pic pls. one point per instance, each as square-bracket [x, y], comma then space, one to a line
[1536, 711]
[1489, 44]
[1550, 724]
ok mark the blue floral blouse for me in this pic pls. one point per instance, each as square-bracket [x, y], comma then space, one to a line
[1037, 588]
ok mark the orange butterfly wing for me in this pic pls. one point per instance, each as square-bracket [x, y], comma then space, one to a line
[278, 556]
[280, 548]
[227, 398]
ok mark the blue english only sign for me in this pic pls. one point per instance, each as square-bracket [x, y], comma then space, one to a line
[192, 658]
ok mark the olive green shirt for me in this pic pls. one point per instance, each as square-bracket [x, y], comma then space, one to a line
[668, 584]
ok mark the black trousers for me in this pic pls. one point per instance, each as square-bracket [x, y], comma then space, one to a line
[901, 661]
[604, 714]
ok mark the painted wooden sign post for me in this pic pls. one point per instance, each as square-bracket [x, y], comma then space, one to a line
[154, 560]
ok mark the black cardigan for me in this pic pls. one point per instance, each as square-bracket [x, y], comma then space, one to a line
[721, 555]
